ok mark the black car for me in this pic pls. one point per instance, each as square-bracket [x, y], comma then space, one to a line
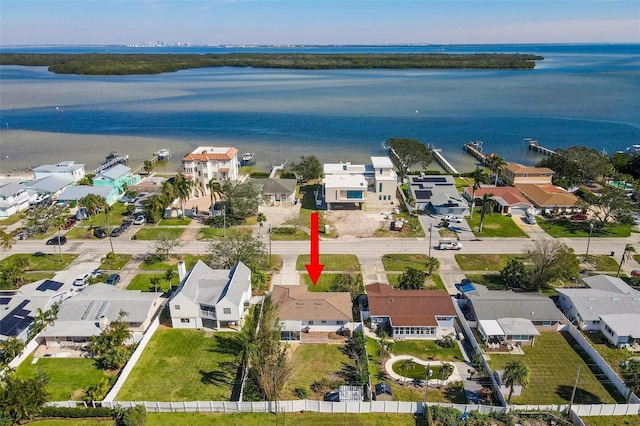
[57, 241]
[99, 233]
[116, 231]
[113, 279]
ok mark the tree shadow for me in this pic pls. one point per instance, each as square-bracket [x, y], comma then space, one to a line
[214, 377]
[226, 343]
[582, 396]
[349, 373]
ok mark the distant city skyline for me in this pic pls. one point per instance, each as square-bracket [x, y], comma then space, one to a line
[289, 22]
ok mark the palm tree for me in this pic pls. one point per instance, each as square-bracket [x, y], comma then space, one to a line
[479, 177]
[432, 264]
[168, 276]
[446, 370]
[6, 241]
[182, 187]
[626, 255]
[10, 348]
[213, 186]
[515, 373]
[261, 219]
[154, 282]
[57, 220]
[385, 347]
[498, 165]
[487, 208]
[43, 319]
[167, 191]
[407, 364]
[631, 376]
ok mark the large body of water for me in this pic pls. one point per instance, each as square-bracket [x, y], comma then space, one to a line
[579, 95]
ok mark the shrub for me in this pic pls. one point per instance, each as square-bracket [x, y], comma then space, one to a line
[76, 412]
[446, 416]
[447, 342]
[302, 393]
[131, 416]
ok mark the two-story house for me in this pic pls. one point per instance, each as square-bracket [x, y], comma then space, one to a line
[211, 162]
[515, 173]
[383, 178]
[211, 298]
[14, 198]
[118, 176]
[64, 168]
[535, 184]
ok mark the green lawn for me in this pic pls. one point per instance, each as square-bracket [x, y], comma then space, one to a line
[553, 363]
[602, 262]
[495, 225]
[12, 219]
[289, 234]
[485, 262]
[400, 262]
[176, 221]
[172, 262]
[68, 376]
[142, 282]
[117, 263]
[612, 355]
[209, 233]
[323, 284]
[426, 350]
[48, 262]
[432, 282]
[183, 365]
[610, 420]
[331, 262]
[564, 228]
[148, 233]
[252, 419]
[30, 277]
[415, 371]
[491, 281]
[311, 362]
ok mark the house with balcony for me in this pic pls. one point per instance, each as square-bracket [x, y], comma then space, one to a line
[64, 168]
[14, 198]
[118, 176]
[410, 314]
[211, 162]
[515, 173]
[211, 298]
[303, 311]
[607, 304]
[381, 175]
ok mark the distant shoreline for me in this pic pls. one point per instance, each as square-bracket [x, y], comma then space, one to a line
[148, 63]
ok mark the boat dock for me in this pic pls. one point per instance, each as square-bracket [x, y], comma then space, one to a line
[535, 146]
[475, 149]
[112, 159]
[437, 155]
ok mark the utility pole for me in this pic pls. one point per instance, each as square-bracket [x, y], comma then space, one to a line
[427, 413]
[573, 392]
[270, 261]
[430, 228]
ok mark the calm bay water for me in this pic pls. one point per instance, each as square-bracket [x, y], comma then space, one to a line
[579, 95]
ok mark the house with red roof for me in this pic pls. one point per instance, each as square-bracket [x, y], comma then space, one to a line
[508, 198]
[410, 314]
[211, 162]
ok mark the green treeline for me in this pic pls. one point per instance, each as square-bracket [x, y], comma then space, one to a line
[125, 64]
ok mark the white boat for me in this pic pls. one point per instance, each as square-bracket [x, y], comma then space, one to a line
[633, 149]
[247, 158]
[163, 154]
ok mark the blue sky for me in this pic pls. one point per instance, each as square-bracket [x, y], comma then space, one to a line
[317, 22]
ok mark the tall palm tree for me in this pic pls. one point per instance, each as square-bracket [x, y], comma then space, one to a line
[385, 347]
[182, 187]
[515, 373]
[487, 207]
[626, 255]
[406, 365]
[57, 220]
[168, 276]
[10, 348]
[498, 165]
[479, 177]
[432, 264]
[6, 241]
[154, 282]
[213, 186]
[43, 319]
[168, 192]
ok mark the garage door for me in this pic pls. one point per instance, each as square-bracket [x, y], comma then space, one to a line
[518, 211]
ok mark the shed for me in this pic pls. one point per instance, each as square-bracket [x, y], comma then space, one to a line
[383, 392]
[350, 394]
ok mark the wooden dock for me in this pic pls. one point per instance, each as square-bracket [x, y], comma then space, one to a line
[535, 146]
[437, 155]
[472, 148]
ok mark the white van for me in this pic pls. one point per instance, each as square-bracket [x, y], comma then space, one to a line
[449, 245]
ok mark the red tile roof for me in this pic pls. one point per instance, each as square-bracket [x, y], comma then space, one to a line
[208, 156]
[509, 194]
[409, 307]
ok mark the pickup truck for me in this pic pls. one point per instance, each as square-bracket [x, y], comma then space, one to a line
[449, 245]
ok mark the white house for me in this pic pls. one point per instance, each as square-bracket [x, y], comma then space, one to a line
[303, 311]
[211, 298]
[13, 199]
[64, 168]
[87, 313]
[608, 305]
[385, 179]
[211, 162]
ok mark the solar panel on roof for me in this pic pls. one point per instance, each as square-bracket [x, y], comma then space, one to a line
[49, 285]
[423, 193]
[5, 300]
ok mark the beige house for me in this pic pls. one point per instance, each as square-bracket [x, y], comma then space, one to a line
[515, 173]
[546, 197]
[303, 311]
[211, 162]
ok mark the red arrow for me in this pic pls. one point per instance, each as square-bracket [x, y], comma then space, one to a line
[314, 268]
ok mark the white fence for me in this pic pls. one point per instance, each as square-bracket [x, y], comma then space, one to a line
[602, 364]
[124, 374]
[606, 410]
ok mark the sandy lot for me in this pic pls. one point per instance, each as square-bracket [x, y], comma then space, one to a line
[360, 223]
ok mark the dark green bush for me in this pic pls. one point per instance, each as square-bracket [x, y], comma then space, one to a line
[75, 412]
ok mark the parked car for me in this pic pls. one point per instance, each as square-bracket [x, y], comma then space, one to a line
[126, 224]
[530, 219]
[57, 241]
[140, 220]
[80, 281]
[635, 273]
[579, 217]
[99, 233]
[454, 219]
[113, 279]
[116, 231]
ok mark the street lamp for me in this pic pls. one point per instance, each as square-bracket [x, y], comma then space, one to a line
[589, 241]
[430, 228]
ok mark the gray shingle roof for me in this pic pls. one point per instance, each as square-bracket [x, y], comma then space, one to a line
[497, 304]
[204, 284]
[73, 193]
[51, 184]
[114, 172]
[275, 185]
